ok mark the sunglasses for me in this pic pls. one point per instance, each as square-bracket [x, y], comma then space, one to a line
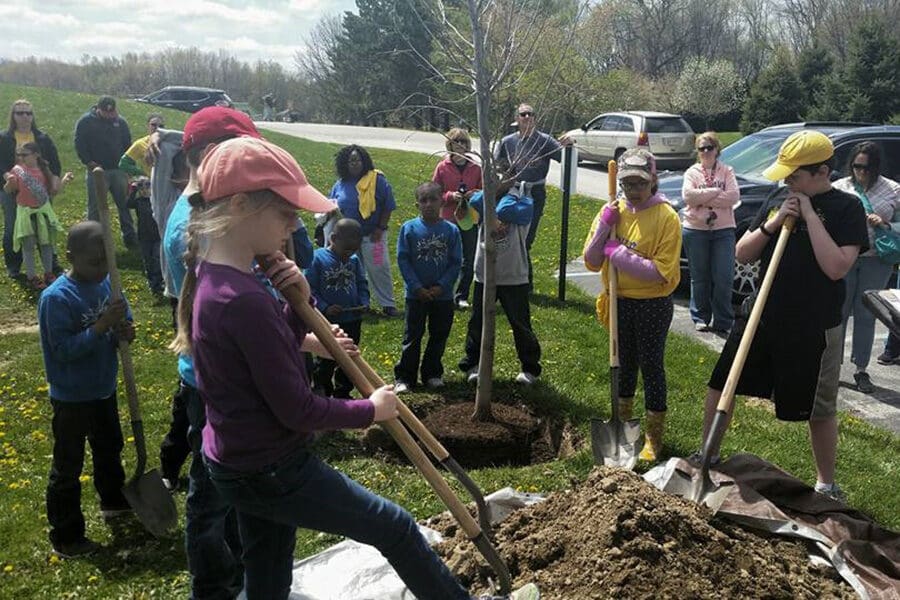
[23, 113]
[24, 154]
[705, 148]
[861, 167]
[526, 113]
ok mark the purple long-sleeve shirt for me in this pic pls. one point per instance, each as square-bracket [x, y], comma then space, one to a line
[251, 374]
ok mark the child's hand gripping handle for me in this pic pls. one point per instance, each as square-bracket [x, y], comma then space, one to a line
[115, 282]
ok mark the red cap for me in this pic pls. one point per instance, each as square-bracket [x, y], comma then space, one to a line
[248, 164]
[215, 122]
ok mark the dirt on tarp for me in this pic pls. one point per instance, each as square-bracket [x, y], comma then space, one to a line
[616, 536]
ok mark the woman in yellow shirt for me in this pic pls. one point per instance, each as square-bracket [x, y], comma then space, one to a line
[645, 250]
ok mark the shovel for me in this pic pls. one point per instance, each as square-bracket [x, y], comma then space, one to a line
[614, 442]
[152, 502]
[699, 487]
[365, 379]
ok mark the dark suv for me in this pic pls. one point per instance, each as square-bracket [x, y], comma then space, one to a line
[188, 99]
[750, 155]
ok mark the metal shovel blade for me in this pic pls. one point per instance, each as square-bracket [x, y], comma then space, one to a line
[152, 503]
[697, 486]
[614, 442]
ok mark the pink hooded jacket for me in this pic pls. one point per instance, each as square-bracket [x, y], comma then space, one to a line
[700, 198]
[449, 176]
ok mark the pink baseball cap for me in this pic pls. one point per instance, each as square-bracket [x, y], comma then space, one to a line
[248, 164]
[213, 123]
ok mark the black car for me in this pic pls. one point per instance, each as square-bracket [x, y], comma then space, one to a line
[750, 155]
[186, 98]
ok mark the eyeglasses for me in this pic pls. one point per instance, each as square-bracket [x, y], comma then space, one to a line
[636, 185]
[23, 113]
[861, 167]
[526, 113]
[156, 125]
[705, 148]
[24, 154]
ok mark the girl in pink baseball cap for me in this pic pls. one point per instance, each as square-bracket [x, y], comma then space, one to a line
[261, 412]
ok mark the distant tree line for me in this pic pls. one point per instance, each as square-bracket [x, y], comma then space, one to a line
[726, 64]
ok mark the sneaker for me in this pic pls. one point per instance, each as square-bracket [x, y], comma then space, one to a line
[701, 327]
[435, 382]
[82, 547]
[462, 304]
[526, 378]
[171, 484]
[472, 375]
[863, 382]
[696, 459]
[390, 312]
[886, 359]
[529, 591]
[833, 491]
[401, 387]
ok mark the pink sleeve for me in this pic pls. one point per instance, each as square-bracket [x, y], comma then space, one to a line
[693, 190]
[635, 265]
[593, 253]
[730, 196]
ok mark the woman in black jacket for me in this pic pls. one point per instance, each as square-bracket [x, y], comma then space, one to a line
[22, 129]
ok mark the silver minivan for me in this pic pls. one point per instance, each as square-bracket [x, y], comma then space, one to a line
[667, 136]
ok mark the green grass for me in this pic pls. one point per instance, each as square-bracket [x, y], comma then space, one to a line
[574, 386]
[729, 137]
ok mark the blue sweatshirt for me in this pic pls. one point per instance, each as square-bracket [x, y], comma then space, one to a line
[174, 245]
[429, 254]
[347, 197]
[81, 365]
[334, 281]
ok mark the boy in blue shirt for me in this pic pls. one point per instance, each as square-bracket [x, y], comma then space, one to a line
[514, 213]
[80, 330]
[429, 254]
[338, 283]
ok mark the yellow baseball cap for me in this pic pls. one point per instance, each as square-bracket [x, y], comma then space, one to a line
[807, 147]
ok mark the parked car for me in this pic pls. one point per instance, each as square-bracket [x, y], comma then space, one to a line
[606, 136]
[186, 98]
[750, 155]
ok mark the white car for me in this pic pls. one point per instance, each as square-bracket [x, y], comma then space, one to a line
[668, 137]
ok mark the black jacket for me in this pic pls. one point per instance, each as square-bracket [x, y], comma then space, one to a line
[8, 151]
[100, 140]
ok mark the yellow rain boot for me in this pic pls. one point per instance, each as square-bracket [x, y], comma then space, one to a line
[626, 409]
[653, 436]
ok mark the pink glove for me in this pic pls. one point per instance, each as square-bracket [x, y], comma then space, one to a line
[610, 247]
[609, 216]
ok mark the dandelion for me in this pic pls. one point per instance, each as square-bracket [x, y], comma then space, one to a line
[84, 478]
[7, 568]
[53, 559]
[130, 439]
[93, 579]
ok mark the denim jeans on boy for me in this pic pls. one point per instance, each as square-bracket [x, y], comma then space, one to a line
[211, 536]
[514, 300]
[13, 259]
[117, 182]
[301, 490]
[325, 373]
[867, 273]
[152, 269]
[438, 316]
[710, 257]
[96, 421]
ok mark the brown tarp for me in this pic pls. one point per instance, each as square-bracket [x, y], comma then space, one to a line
[765, 497]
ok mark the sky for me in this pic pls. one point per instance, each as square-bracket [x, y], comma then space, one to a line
[248, 29]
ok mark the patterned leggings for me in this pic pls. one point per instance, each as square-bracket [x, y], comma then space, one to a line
[643, 326]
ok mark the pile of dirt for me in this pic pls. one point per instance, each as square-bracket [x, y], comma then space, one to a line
[616, 536]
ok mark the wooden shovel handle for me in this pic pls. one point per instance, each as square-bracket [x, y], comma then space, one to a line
[734, 374]
[612, 275]
[115, 283]
[320, 326]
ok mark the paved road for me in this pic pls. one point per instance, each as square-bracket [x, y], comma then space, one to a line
[881, 408]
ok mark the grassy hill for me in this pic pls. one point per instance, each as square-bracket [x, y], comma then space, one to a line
[574, 386]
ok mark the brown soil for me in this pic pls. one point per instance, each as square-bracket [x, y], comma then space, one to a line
[616, 536]
[513, 437]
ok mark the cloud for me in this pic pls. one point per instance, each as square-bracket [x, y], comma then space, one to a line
[18, 18]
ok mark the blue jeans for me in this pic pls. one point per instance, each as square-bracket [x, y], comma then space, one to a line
[867, 273]
[211, 537]
[117, 182]
[302, 491]
[710, 257]
[13, 259]
[437, 315]
[152, 269]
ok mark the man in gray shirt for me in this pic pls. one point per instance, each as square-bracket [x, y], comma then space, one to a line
[529, 152]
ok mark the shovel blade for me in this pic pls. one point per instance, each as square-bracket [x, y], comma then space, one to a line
[152, 503]
[698, 487]
[614, 443]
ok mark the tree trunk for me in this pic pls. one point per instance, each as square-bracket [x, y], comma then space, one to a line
[489, 185]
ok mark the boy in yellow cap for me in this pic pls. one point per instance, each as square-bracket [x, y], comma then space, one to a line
[795, 357]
